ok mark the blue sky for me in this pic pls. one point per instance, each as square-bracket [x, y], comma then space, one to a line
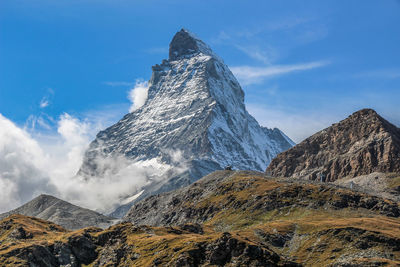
[302, 64]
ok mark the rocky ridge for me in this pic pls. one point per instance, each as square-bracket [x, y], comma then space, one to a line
[58, 211]
[46, 244]
[359, 145]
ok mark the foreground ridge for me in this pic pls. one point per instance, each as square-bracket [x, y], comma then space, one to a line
[228, 218]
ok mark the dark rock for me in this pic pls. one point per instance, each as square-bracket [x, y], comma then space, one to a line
[83, 248]
[193, 228]
[20, 233]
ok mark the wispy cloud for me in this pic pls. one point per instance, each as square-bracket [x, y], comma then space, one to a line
[119, 84]
[379, 74]
[250, 75]
[46, 100]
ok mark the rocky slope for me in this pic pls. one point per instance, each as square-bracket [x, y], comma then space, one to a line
[28, 241]
[361, 144]
[193, 122]
[386, 185]
[225, 193]
[61, 212]
[312, 223]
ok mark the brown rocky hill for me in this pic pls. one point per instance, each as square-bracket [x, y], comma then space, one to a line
[359, 145]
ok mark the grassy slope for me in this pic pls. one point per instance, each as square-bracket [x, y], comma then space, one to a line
[318, 236]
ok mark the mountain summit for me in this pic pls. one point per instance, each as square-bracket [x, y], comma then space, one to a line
[185, 44]
[361, 144]
[193, 122]
[61, 212]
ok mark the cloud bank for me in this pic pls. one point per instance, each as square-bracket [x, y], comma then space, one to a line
[22, 162]
[31, 164]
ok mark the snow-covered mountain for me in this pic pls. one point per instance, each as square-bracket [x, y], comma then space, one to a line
[193, 122]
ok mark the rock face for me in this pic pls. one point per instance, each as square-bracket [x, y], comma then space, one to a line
[58, 211]
[193, 122]
[359, 145]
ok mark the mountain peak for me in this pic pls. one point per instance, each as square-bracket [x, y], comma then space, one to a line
[61, 212]
[366, 111]
[185, 43]
[195, 109]
[45, 196]
[367, 121]
[364, 114]
[358, 145]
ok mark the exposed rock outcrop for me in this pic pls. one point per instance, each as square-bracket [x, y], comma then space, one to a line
[361, 144]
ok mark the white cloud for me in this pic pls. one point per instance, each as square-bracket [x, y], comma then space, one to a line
[32, 164]
[22, 162]
[250, 75]
[44, 102]
[138, 95]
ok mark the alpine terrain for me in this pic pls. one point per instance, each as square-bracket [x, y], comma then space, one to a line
[193, 122]
[236, 217]
[61, 212]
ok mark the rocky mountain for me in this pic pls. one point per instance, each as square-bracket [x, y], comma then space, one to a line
[359, 145]
[61, 212]
[193, 122]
